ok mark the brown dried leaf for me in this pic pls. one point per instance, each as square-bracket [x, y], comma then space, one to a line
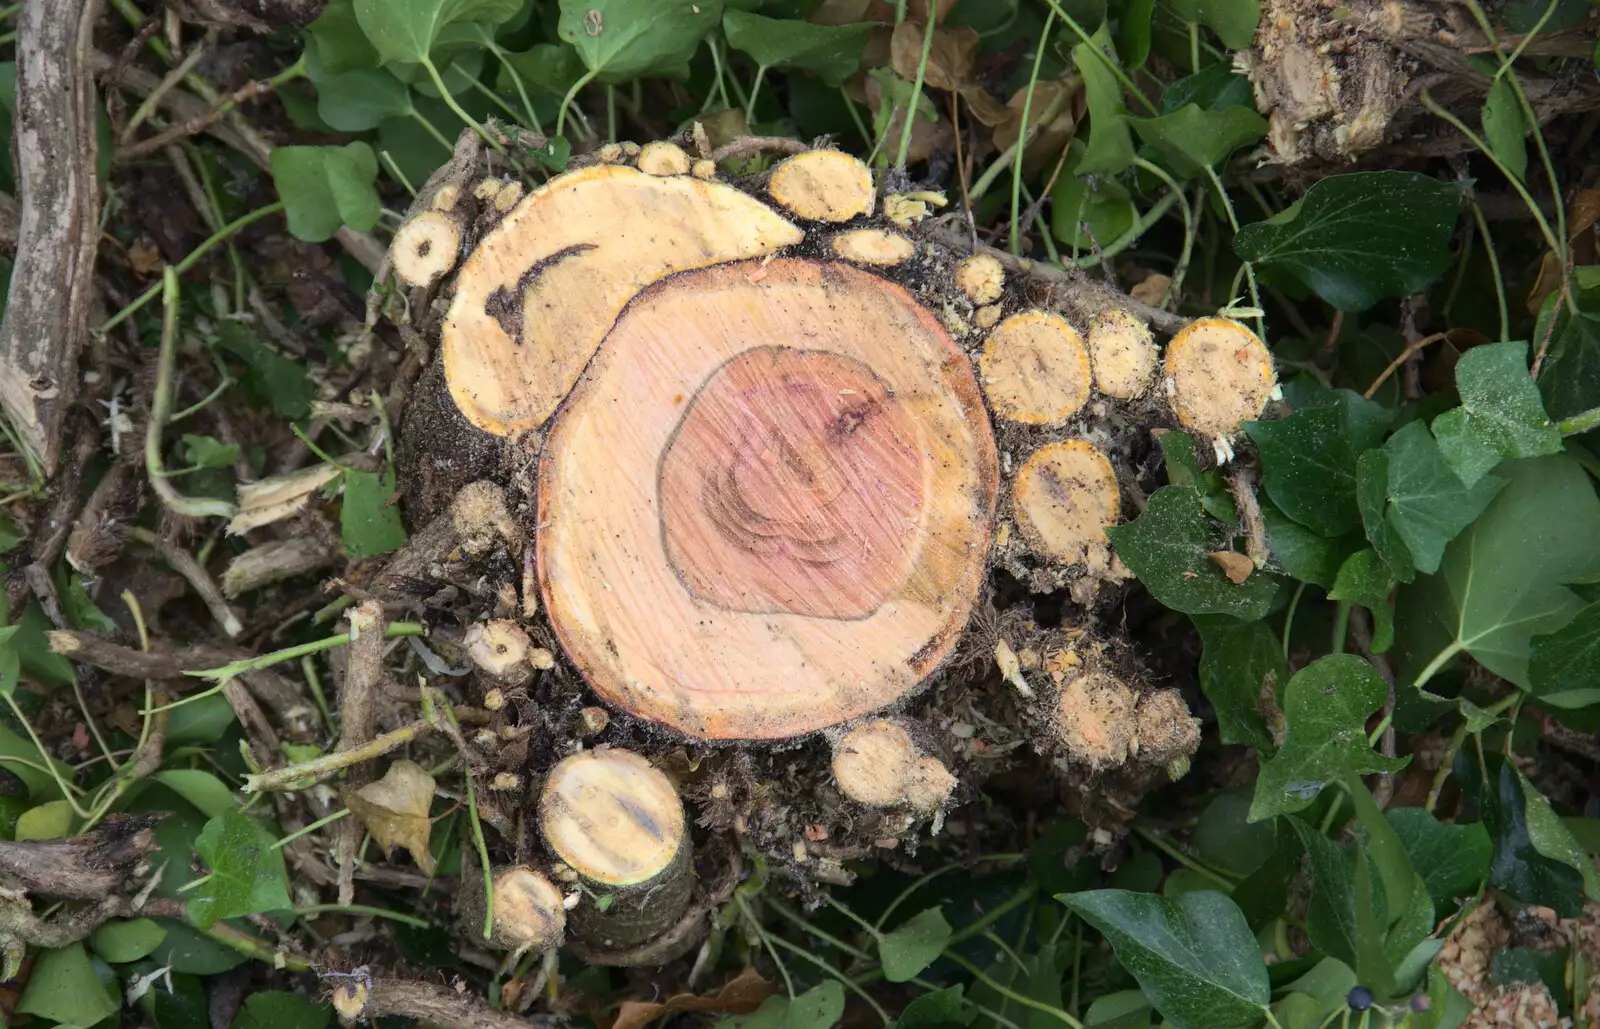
[1236, 566]
[395, 810]
[986, 110]
[1152, 290]
[950, 54]
[742, 995]
[1049, 139]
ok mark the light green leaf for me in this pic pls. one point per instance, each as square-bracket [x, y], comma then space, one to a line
[357, 101]
[63, 988]
[247, 873]
[818, 1008]
[369, 521]
[913, 946]
[1096, 200]
[1501, 414]
[1326, 706]
[338, 41]
[123, 940]
[210, 795]
[325, 187]
[832, 52]
[1242, 662]
[1194, 957]
[1428, 505]
[405, 30]
[206, 452]
[621, 40]
[1192, 139]
[1564, 666]
[1500, 582]
[49, 821]
[1503, 127]
[1553, 839]
[1308, 460]
[1356, 238]
[1168, 547]
[1387, 854]
[1110, 144]
[1234, 21]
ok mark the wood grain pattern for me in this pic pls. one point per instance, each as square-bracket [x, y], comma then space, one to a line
[1065, 495]
[539, 293]
[612, 816]
[823, 185]
[766, 507]
[1035, 369]
[1218, 375]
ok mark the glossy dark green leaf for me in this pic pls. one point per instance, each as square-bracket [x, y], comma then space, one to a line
[1168, 547]
[1518, 867]
[1569, 378]
[1511, 966]
[1110, 144]
[1503, 127]
[832, 52]
[1193, 139]
[1501, 414]
[1365, 579]
[914, 945]
[1372, 476]
[1357, 238]
[938, 1009]
[187, 950]
[268, 376]
[247, 874]
[126, 939]
[1551, 838]
[1194, 956]
[325, 187]
[1564, 666]
[1326, 706]
[1242, 669]
[1124, 1009]
[1428, 504]
[1308, 460]
[1225, 838]
[1213, 88]
[276, 1009]
[1500, 582]
[621, 40]
[1390, 861]
[369, 520]
[63, 988]
[1453, 859]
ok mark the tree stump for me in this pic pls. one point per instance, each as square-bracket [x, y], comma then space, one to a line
[760, 457]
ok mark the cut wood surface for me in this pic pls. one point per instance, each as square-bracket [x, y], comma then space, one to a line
[538, 294]
[823, 185]
[612, 816]
[1218, 375]
[1122, 353]
[766, 507]
[873, 246]
[877, 764]
[1035, 369]
[1064, 496]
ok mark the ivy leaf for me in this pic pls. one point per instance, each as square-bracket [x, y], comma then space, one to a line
[1303, 554]
[939, 1009]
[1168, 547]
[1193, 139]
[124, 940]
[1110, 145]
[1563, 666]
[277, 1009]
[818, 1008]
[325, 187]
[1569, 378]
[543, 66]
[206, 452]
[1453, 859]
[1242, 664]
[913, 946]
[1365, 579]
[832, 52]
[1372, 477]
[63, 988]
[1500, 582]
[1428, 506]
[337, 39]
[1234, 21]
[1346, 915]
[1194, 956]
[210, 795]
[405, 30]
[1551, 838]
[1501, 414]
[1100, 202]
[1520, 867]
[268, 375]
[1503, 127]
[621, 40]
[1354, 239]
[369, 521]
[1308, 460]
[359, 100]
[1325, 706]
[247, 874]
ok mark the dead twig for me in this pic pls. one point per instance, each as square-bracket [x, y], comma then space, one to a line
[437, 1005]
[52, 283]
[1242, 486]
[357, 701]
[746, 145]
[196, 124]
[182, 562]
[88, 867]
[1404, 355]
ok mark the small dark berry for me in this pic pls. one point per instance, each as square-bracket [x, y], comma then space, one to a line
[1421, 1002]
[1360, 998]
